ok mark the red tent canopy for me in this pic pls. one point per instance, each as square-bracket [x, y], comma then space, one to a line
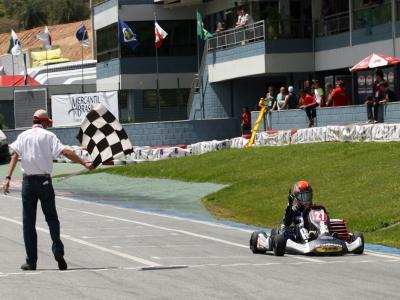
[375, 61]
[16, 80]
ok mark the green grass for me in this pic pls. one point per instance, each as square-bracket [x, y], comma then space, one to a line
[358, 182]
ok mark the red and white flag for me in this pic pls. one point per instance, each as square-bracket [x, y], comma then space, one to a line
[160, 35]
[45, 38]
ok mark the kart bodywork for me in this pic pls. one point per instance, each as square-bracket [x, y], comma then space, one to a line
[317, 234]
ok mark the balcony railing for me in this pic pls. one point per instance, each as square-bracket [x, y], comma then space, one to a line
[237, 36]
[333, 24]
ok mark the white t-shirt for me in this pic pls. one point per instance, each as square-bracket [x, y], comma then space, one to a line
[37, 147]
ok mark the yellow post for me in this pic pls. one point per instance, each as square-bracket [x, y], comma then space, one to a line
[263, 105]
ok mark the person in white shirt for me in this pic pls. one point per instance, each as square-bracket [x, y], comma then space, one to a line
[37, 147]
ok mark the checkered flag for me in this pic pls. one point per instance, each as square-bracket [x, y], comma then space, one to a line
[103, 136]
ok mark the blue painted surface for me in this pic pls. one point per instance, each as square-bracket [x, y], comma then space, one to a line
[332, 41]
[372, 34]
[296, 118]
[108, 69]
[238, 52]
[159, 134]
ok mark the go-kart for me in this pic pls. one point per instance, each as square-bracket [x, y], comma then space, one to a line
[314, 234]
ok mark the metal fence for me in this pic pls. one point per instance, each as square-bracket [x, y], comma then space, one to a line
[333, 24]
[237, 36]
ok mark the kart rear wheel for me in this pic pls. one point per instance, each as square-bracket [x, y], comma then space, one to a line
[253, 242]
[359, 235]
[279, 245]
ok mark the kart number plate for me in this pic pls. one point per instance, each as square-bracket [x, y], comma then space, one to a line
[318, 215]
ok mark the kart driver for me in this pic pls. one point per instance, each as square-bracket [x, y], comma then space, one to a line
[301, 195]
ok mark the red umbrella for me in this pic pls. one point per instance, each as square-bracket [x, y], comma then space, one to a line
[375, 61]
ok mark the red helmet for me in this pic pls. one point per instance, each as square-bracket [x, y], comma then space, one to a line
[303, 193]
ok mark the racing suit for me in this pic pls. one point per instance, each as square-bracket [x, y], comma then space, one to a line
[293, 215]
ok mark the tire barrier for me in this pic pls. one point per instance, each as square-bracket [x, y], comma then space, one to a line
[349, 133]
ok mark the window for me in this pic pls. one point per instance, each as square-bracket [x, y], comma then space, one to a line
[168, 98]
[181, 39]
[107, 43]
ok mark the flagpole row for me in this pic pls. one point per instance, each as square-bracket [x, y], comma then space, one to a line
[83, 80]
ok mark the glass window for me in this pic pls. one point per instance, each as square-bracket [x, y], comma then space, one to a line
[181, 39]
[168, 98]
[371, 13]
[107, 42]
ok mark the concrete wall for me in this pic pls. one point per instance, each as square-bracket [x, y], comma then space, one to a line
[296, 118]
[159, 134]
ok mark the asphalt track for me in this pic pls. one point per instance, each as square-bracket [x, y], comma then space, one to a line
[120, 253]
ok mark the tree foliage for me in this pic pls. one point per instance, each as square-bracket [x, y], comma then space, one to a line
[27, 14]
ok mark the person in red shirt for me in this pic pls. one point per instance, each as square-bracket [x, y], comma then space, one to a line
[339, 96]
[308, 103]
[246, 120]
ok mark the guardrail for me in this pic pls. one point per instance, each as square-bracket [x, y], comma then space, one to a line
[333, 24]
[237, 36]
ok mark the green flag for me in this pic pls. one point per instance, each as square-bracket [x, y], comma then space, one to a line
[201, 31]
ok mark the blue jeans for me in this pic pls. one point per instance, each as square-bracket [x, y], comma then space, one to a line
[33, 189]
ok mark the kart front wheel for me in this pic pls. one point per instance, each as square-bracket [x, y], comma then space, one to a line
[279, 245]
[359, 235]
[253, 242]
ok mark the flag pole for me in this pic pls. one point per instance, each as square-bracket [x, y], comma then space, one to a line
[157, 70]
[199, 76]
[119, 56]
[83, 80]
[47, 68]
[12, 62]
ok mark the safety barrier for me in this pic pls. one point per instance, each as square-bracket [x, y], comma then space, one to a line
[348, 133]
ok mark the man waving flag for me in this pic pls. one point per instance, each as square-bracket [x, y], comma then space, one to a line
[82, 36]
[15, 44]
[160, 34]
[45, 38]
[126, 35]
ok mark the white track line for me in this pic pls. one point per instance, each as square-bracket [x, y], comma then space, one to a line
[101, 248]
[206, 237]
[389, 256]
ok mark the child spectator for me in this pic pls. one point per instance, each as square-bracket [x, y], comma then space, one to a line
[308, 103]
[291, 100]
[339, 96]
[319, 94]
[280, 98]
[246, 120]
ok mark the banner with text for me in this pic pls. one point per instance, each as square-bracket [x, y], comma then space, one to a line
[70, 110]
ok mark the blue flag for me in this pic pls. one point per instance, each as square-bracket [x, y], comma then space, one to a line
[126, 35]
[82, 35]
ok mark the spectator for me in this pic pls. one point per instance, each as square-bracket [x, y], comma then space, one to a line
[291, 100]
[376, 89]
[308, 103]
[280, 98]
[246, 120]
[307, 87]
[388, 94]
[319, 94]
[339, 96]
[220, 23]
[328, 90]
[374, 103]
[271, 98]
[243, 19]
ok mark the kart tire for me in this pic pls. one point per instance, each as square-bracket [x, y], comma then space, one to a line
[359, 235]
[279, 245]
[253, 243]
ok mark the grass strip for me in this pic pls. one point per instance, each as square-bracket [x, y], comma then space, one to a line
[355, 181]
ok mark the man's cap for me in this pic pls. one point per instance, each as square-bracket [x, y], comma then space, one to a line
[42, 116]
[340, 83]
[290, 89]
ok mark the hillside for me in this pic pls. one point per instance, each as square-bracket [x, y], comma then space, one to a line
[62, 35]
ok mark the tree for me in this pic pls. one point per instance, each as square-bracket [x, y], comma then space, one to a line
[67, 11]
[28, 13]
